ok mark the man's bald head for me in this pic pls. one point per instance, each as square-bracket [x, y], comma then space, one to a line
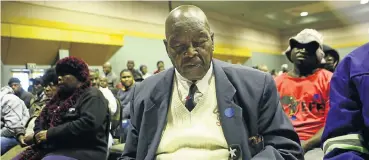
[107, 64]
[107, 68]
[185, 14]
[189, 41]
[130, 64]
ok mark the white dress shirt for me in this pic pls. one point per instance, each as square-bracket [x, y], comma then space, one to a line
[111, 99]
[184, 85]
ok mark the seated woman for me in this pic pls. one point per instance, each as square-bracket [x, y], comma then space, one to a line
[74, 123]
[50, 81]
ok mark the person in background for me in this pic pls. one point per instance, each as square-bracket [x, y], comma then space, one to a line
[284, 69]
[113, 79]
[49, 83]
[14, 116]
[36, 88]
[95, 82]
[304, 91]
[263, 68]
[332, 58]
[145, 74]
[125, 94]
[30, 87]
[203, 108]
[15, 84]
[136, 74]
[103, 82]
[346, 133]
[160, 67]
[273, 73]
[75, 123]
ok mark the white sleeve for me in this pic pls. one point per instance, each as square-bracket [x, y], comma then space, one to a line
[111, 99]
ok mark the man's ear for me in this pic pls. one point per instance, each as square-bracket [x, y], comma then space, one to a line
[166, 48]
[166, 44]
[212, 39]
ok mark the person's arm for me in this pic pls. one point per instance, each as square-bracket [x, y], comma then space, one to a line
[127, 108]
[112, 101]
[313, 142]
[92, 116]
[12, 115]
[342, 137]
[280, 139]
[130, 148]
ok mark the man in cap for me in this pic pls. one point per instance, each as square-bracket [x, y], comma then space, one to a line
[203, 108]
[75, 123]
[15, 84]
[331, 57]
[304, 91]
[346, 133]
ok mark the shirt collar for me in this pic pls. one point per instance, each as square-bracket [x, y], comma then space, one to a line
[202, 85]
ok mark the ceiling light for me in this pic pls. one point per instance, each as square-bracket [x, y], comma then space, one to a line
[364, 1]
[303, 14]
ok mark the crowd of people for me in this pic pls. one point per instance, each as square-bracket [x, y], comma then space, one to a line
[19, 131]
[201, 108]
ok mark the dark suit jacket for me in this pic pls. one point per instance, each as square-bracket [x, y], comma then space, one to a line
[251, 93]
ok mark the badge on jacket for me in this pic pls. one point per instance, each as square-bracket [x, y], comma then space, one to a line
[234, 151]
[71, 110]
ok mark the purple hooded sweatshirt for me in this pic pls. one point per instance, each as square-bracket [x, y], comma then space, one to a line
[346, 134]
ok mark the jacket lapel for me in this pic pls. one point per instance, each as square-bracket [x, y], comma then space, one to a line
[231, 116]
[156, 114]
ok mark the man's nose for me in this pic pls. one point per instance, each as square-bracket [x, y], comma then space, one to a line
[191, 51]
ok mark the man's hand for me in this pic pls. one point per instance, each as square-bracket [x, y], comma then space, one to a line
[41, 136]
[21, 141]
[29, 139]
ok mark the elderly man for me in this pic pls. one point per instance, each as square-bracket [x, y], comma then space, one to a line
[74, 124]
[204, 108]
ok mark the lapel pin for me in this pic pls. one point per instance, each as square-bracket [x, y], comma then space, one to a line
[71, 109]
[232, 152]
[229, 112]
[235, 151]
[293, 117]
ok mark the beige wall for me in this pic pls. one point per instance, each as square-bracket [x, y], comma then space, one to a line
[350, 36]
[145, 19]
